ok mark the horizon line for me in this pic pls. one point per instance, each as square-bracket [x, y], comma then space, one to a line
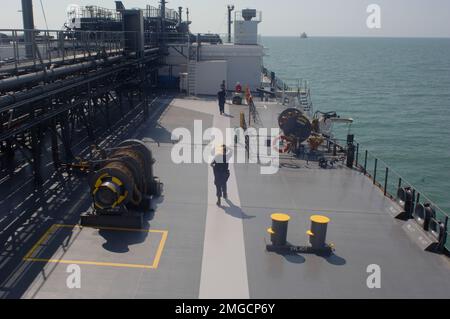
[361, 36]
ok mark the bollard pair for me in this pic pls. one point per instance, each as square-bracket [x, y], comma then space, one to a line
[317, 234]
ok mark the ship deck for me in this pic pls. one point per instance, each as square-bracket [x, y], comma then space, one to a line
[191, 248]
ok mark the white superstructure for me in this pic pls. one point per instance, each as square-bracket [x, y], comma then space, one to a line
[207, 65]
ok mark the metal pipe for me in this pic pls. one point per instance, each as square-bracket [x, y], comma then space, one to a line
[357, 155]
[180, 15]
[230, 22]
[163, 15]
[365, 162]
[54, 63]
[187, 19]
[23, 80]
[386, 181]
[21, 96]
[375, 172]
[28, 25]
[163, 25]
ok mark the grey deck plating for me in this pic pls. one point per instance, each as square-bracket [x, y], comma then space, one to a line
[190, 260]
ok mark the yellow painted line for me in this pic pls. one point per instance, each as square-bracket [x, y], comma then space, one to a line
[160, 249]
[92, 263]
[40, 241]
[164, 235]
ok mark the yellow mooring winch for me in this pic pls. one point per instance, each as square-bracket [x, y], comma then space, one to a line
[122, 187]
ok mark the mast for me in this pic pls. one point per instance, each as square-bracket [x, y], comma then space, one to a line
[230, 22]
[28, 25]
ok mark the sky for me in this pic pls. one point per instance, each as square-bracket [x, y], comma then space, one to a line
[399, 18]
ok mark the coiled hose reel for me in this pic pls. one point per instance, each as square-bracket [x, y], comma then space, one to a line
[295, 125]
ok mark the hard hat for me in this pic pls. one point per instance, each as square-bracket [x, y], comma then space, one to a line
[220, 149]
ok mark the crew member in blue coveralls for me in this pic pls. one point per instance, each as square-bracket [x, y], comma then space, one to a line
[221, 173]
[222, 95]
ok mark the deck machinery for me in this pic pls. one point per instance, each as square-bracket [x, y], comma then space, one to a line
[122, 185]
[73, 85]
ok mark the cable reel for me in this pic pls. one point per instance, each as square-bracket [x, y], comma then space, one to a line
[295, 125]
[126, 180]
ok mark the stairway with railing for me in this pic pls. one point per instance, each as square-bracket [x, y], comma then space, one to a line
[192, 82]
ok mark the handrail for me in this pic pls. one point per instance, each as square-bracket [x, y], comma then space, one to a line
[55, 46]
[405, 181]
[278, 82]
[391, 174]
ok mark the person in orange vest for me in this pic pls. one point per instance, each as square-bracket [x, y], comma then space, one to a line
[248, 95]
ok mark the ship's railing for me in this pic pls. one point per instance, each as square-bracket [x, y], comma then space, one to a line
[390, 181]
[179, 38]
[152, 12]
[31, 48]
[176, 38]
[276, 81]
[95, 12]
[172, 15]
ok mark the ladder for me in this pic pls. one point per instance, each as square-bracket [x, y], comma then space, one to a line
[192, 66]
[305, 101]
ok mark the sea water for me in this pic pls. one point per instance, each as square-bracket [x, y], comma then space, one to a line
[396, 90]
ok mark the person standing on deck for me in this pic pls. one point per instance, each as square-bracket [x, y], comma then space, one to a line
[221, 173]
[223, 87]
[238, 88]
[222, 99]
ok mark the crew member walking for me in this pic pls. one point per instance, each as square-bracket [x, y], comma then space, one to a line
[222, 98]
[221, 173]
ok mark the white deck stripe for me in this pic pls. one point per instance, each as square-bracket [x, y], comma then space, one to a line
[224, 264]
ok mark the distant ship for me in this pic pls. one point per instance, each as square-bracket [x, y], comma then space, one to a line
[304, 36]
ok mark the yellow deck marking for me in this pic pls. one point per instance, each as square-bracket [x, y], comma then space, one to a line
[158, 255]
[53, 228]
[40, 241]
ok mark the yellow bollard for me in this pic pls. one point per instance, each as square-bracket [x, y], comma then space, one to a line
[279, 229]
[318, 232]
